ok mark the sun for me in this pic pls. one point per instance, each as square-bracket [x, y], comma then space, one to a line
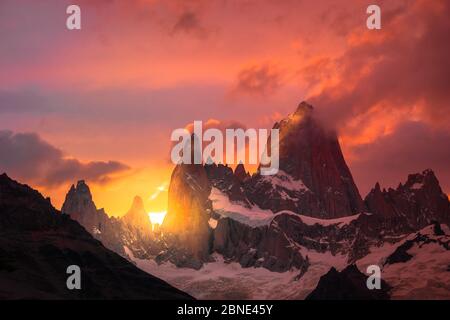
[157, 218]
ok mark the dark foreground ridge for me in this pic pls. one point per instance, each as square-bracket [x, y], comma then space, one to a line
[349, 284]
[38, 243]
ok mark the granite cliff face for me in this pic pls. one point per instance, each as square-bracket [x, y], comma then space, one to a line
[187, 220]
[266, 246]
[314, 179]
[38, 243]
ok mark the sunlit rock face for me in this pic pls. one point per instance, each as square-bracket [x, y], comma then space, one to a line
[189, 210]
[313, 178]
[138, 218]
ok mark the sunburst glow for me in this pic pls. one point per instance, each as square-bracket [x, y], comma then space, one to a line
[161, 188]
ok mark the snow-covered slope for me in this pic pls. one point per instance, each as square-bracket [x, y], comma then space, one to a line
[425, 275]
[417, 267]
[229, 280]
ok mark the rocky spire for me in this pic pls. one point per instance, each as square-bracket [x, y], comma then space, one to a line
[313, 172]
[240, 173]
[417, 202]
[79, 205]
[189, 211]
[137, 217]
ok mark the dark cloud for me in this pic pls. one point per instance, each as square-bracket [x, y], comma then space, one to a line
[27, 157]
[413, 147]
[259, 80]
[189, 22]
[391, 77]
[404, 65]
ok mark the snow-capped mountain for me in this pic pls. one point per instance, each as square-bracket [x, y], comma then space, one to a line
[311, 208]
[294, 226]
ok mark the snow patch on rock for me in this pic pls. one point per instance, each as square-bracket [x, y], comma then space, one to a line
[255, 216]
[284, 181]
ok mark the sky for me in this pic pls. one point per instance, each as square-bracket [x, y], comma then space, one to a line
[100, 103]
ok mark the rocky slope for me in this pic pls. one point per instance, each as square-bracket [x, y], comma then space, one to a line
[416, 266]
[38, 243]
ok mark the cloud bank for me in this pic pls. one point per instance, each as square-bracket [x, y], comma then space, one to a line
[29, 158]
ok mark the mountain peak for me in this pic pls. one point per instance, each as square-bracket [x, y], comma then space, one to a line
[378, 187]
[304, 107]
[240, 172]
[4, 179]
[79, 204]
[83, 188]
[310, 155]
[137, 217]
[138, 203]
[419, 180]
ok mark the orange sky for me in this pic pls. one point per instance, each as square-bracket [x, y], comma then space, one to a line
[115, 90]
